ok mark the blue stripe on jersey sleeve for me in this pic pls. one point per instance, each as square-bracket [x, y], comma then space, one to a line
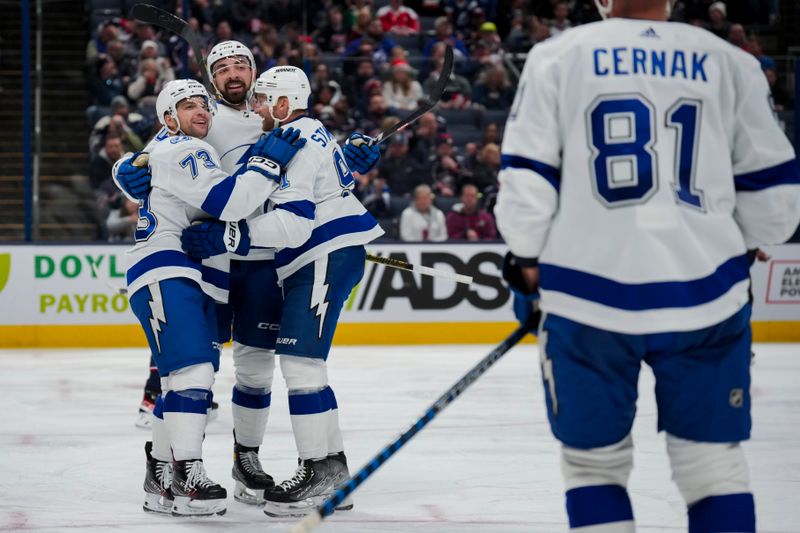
[645, 296]
[218, 197]
[787, 173]
[549, 173]
[301, 208]
[173, 258]
[326, 232]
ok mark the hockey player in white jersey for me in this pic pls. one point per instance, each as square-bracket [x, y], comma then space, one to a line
[317, 276]
[255, 307]
[174, 296]
[640, 161]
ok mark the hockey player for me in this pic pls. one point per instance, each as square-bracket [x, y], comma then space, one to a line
[173, 296]
[641, 160]
[317, 277]
[255, 296]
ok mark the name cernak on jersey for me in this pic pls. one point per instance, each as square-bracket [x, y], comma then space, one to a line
[625, 61]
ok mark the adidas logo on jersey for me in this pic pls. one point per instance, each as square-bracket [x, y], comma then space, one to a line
[649, 32]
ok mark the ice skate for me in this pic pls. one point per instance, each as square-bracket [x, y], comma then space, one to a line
[213, 411]
[300, 494]
[146, 409]
[251, 480]
[194, 493]
[337, 464]
[157, 484]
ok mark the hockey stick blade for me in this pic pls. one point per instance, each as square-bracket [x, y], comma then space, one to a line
[427, 271]
[326, 509]
[428, 104]
[163, 19]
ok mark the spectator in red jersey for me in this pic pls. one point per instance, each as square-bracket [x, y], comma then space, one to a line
[467, 220]
[398, 19]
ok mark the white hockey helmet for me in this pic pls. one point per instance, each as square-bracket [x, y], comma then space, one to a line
[604, 7]
[228, 49]
[174, 92]
[287, 81]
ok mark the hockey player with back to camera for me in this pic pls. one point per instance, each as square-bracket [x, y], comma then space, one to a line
[174, 296]
[317, 273]
[637, 243]
[256, 301]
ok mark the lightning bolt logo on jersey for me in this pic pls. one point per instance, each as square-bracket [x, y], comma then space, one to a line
[158, 316]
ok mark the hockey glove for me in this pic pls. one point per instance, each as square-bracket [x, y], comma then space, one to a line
[134, 181]
[271, 153]
[526, 302]
[213, 237]
[359, 155]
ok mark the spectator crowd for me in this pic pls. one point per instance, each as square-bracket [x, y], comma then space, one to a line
[370, 62]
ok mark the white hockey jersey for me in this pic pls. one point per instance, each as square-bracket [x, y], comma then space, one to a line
[640, 160]
[339, 220]
[188, 185]
[232, 134]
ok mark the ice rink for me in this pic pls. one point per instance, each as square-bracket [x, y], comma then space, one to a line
[72, 460]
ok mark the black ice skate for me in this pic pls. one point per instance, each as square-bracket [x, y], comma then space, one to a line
[251, 480]
[194, 493]
[157, 484]
[337, 464]
[298, 496]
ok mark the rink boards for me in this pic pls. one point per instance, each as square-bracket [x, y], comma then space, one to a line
[64, 296]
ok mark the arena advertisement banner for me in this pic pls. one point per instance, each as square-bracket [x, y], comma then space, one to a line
[67, 295]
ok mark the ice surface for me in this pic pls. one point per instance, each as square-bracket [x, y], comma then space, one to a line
[72, 460]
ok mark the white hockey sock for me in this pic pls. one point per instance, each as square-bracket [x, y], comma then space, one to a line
[335, 442]
[250, 414]
[309, 414]
[161, 449]
[185, 414]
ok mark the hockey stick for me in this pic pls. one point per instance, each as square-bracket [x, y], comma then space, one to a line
[428, 104]
[326, 509]
[163, 19]
[427, 271]
[107, 282]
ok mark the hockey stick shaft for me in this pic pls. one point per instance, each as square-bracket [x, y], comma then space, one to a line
[327, 508]
[163, 19]
[107, 282]
[428, 271]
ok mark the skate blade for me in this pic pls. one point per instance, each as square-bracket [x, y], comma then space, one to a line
[248, 496]
[184, 506]
[156, 503]
[292, 510]
[143, 421]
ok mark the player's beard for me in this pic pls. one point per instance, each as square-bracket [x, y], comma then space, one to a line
[235, 95]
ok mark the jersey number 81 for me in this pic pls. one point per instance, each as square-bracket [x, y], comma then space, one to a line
[621, 131]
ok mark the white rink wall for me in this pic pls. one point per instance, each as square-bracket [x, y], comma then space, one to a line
[65, 296]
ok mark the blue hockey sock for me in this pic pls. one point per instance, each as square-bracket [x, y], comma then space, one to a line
[719, 514]
[599, 504]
